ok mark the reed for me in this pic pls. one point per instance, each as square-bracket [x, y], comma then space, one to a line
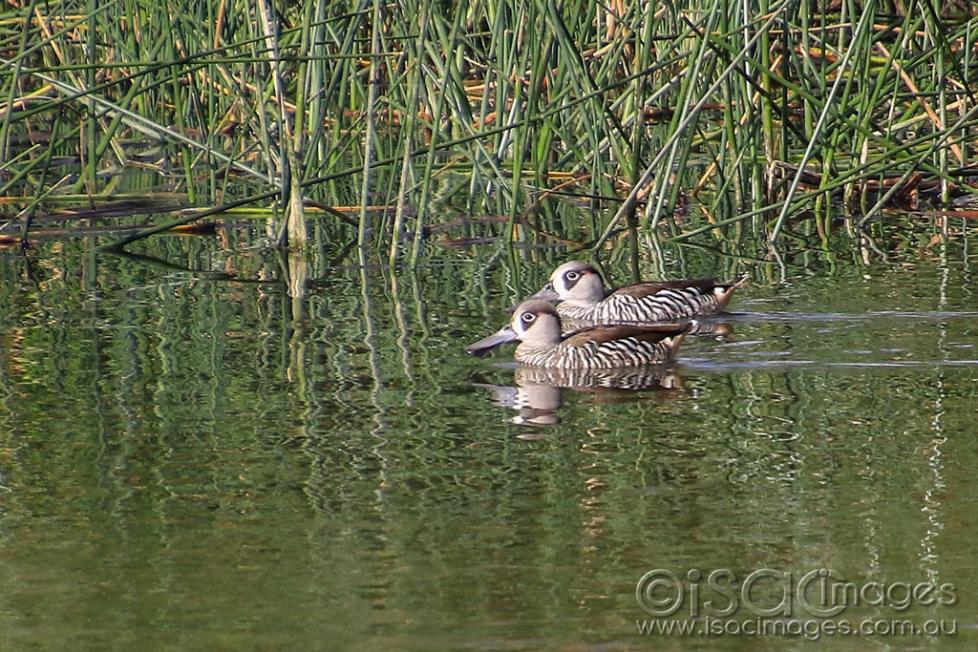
[768, 116]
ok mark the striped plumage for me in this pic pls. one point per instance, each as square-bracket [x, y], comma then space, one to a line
[536, 325]
[699, 327]
[588, 350]
[626, 378]
[580, 294]
[655, 304]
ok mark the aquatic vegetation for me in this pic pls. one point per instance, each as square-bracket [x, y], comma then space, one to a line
[776, 117]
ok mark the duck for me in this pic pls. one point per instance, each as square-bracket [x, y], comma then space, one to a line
[535, 324]
[582, 298]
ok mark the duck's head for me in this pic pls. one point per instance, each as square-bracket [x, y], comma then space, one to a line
[534, 323]
[574, 281]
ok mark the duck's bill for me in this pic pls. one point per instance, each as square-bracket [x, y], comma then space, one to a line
[486, 344]
[546, 293]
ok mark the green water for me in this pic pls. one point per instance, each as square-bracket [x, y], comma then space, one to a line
[195, 462]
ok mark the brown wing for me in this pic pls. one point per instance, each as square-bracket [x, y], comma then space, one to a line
[645, 333]
[647, 288]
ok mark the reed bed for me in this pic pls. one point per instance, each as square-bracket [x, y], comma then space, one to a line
[571, 122]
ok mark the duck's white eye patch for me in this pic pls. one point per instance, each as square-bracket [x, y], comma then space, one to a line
[528, 317]
[572, 276]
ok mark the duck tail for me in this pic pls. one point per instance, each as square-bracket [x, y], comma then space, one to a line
[725, 291]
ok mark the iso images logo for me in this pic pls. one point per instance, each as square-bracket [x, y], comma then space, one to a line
[770, 593]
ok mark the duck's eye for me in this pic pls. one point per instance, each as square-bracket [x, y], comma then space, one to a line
[528, 317]
[572, 276]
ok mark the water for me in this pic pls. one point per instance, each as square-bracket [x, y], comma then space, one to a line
[195, 460]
